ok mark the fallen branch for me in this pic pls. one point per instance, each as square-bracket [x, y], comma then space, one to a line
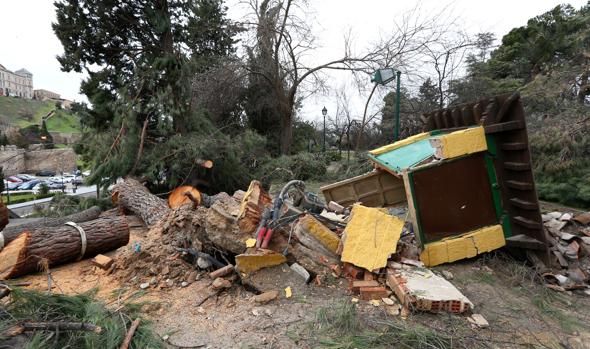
[52, 326]
[129, 336]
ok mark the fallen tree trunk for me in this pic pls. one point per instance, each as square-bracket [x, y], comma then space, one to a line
[135, 197]
[57, 245]
[11, 233]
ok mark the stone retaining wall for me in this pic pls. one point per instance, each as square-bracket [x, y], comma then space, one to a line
[15, 160]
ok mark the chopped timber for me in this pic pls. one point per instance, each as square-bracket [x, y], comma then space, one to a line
[62, 244]
[10, 233]
[184, 195]
[253, 204]
[135, 197]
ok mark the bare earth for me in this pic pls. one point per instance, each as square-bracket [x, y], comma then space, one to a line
[521, 312]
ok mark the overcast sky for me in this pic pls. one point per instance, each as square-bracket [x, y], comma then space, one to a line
[27, 40]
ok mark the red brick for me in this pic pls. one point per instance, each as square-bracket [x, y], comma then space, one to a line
[357, 284]
[369, 293]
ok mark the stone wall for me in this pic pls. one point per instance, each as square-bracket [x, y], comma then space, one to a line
[15, 160]
[12, 160]
[58, 160]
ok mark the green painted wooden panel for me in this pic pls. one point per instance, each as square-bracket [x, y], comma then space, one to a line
[406, 156]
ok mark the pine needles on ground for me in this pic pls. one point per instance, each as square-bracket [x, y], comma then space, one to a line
[339, 327]
[34, 306]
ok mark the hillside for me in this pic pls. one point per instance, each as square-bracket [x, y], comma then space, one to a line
[20, 113]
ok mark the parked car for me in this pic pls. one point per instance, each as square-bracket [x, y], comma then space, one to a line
[11, 185]
[14, 179]
[25, 177]
[45, 173]
[29, 185]
[68, 178]
[52, 185]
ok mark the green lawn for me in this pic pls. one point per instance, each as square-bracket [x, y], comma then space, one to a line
[21, 112]
[16, 198]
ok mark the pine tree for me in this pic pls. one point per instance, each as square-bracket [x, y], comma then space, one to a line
[142, 121]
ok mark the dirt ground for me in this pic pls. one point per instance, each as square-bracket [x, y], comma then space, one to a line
[521, 312]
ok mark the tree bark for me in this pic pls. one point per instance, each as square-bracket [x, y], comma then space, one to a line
[62, 244]
[286, 130]
[11, 233]
[135, 197]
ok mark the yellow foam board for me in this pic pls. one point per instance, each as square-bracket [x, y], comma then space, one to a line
[464, 246]
[252, 261]
[371, 236]
[320, 232]
[400, 143]
[459, 143]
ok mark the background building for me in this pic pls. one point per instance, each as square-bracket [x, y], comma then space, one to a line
[17, 84]
[45, 95]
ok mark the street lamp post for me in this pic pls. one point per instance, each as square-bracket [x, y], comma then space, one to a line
[382, 77]
[324, 112]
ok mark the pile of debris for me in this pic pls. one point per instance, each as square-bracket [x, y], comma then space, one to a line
[462, 188]
[569, 237]
[277, 246]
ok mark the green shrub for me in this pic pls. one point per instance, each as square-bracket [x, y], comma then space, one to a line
[303, 166]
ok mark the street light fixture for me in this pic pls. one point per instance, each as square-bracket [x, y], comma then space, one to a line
[382, 77]
[324, 113]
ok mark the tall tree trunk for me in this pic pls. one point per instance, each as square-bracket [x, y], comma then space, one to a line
[286, 132]
[50, 246]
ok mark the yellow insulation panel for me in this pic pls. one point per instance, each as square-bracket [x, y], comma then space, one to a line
[459, 143]
[371, 236]
[321, 233]
[400, 143]
[465, 246]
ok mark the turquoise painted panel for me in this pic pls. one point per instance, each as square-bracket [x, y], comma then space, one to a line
[405, 157]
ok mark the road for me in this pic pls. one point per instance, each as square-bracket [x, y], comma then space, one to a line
[25, 208]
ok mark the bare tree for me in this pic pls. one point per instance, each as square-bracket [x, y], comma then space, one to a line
[446, 57]
[282, 39]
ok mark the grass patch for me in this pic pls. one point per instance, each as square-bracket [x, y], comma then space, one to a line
[338, 327]
[22, 112]
[547, 302]
[26, 305]
[16, 198]
[63, 121]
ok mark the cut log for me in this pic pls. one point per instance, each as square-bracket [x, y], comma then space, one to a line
[184, 195]
[10, 233]
[58, 245]
[136, 198]
[253, 204]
